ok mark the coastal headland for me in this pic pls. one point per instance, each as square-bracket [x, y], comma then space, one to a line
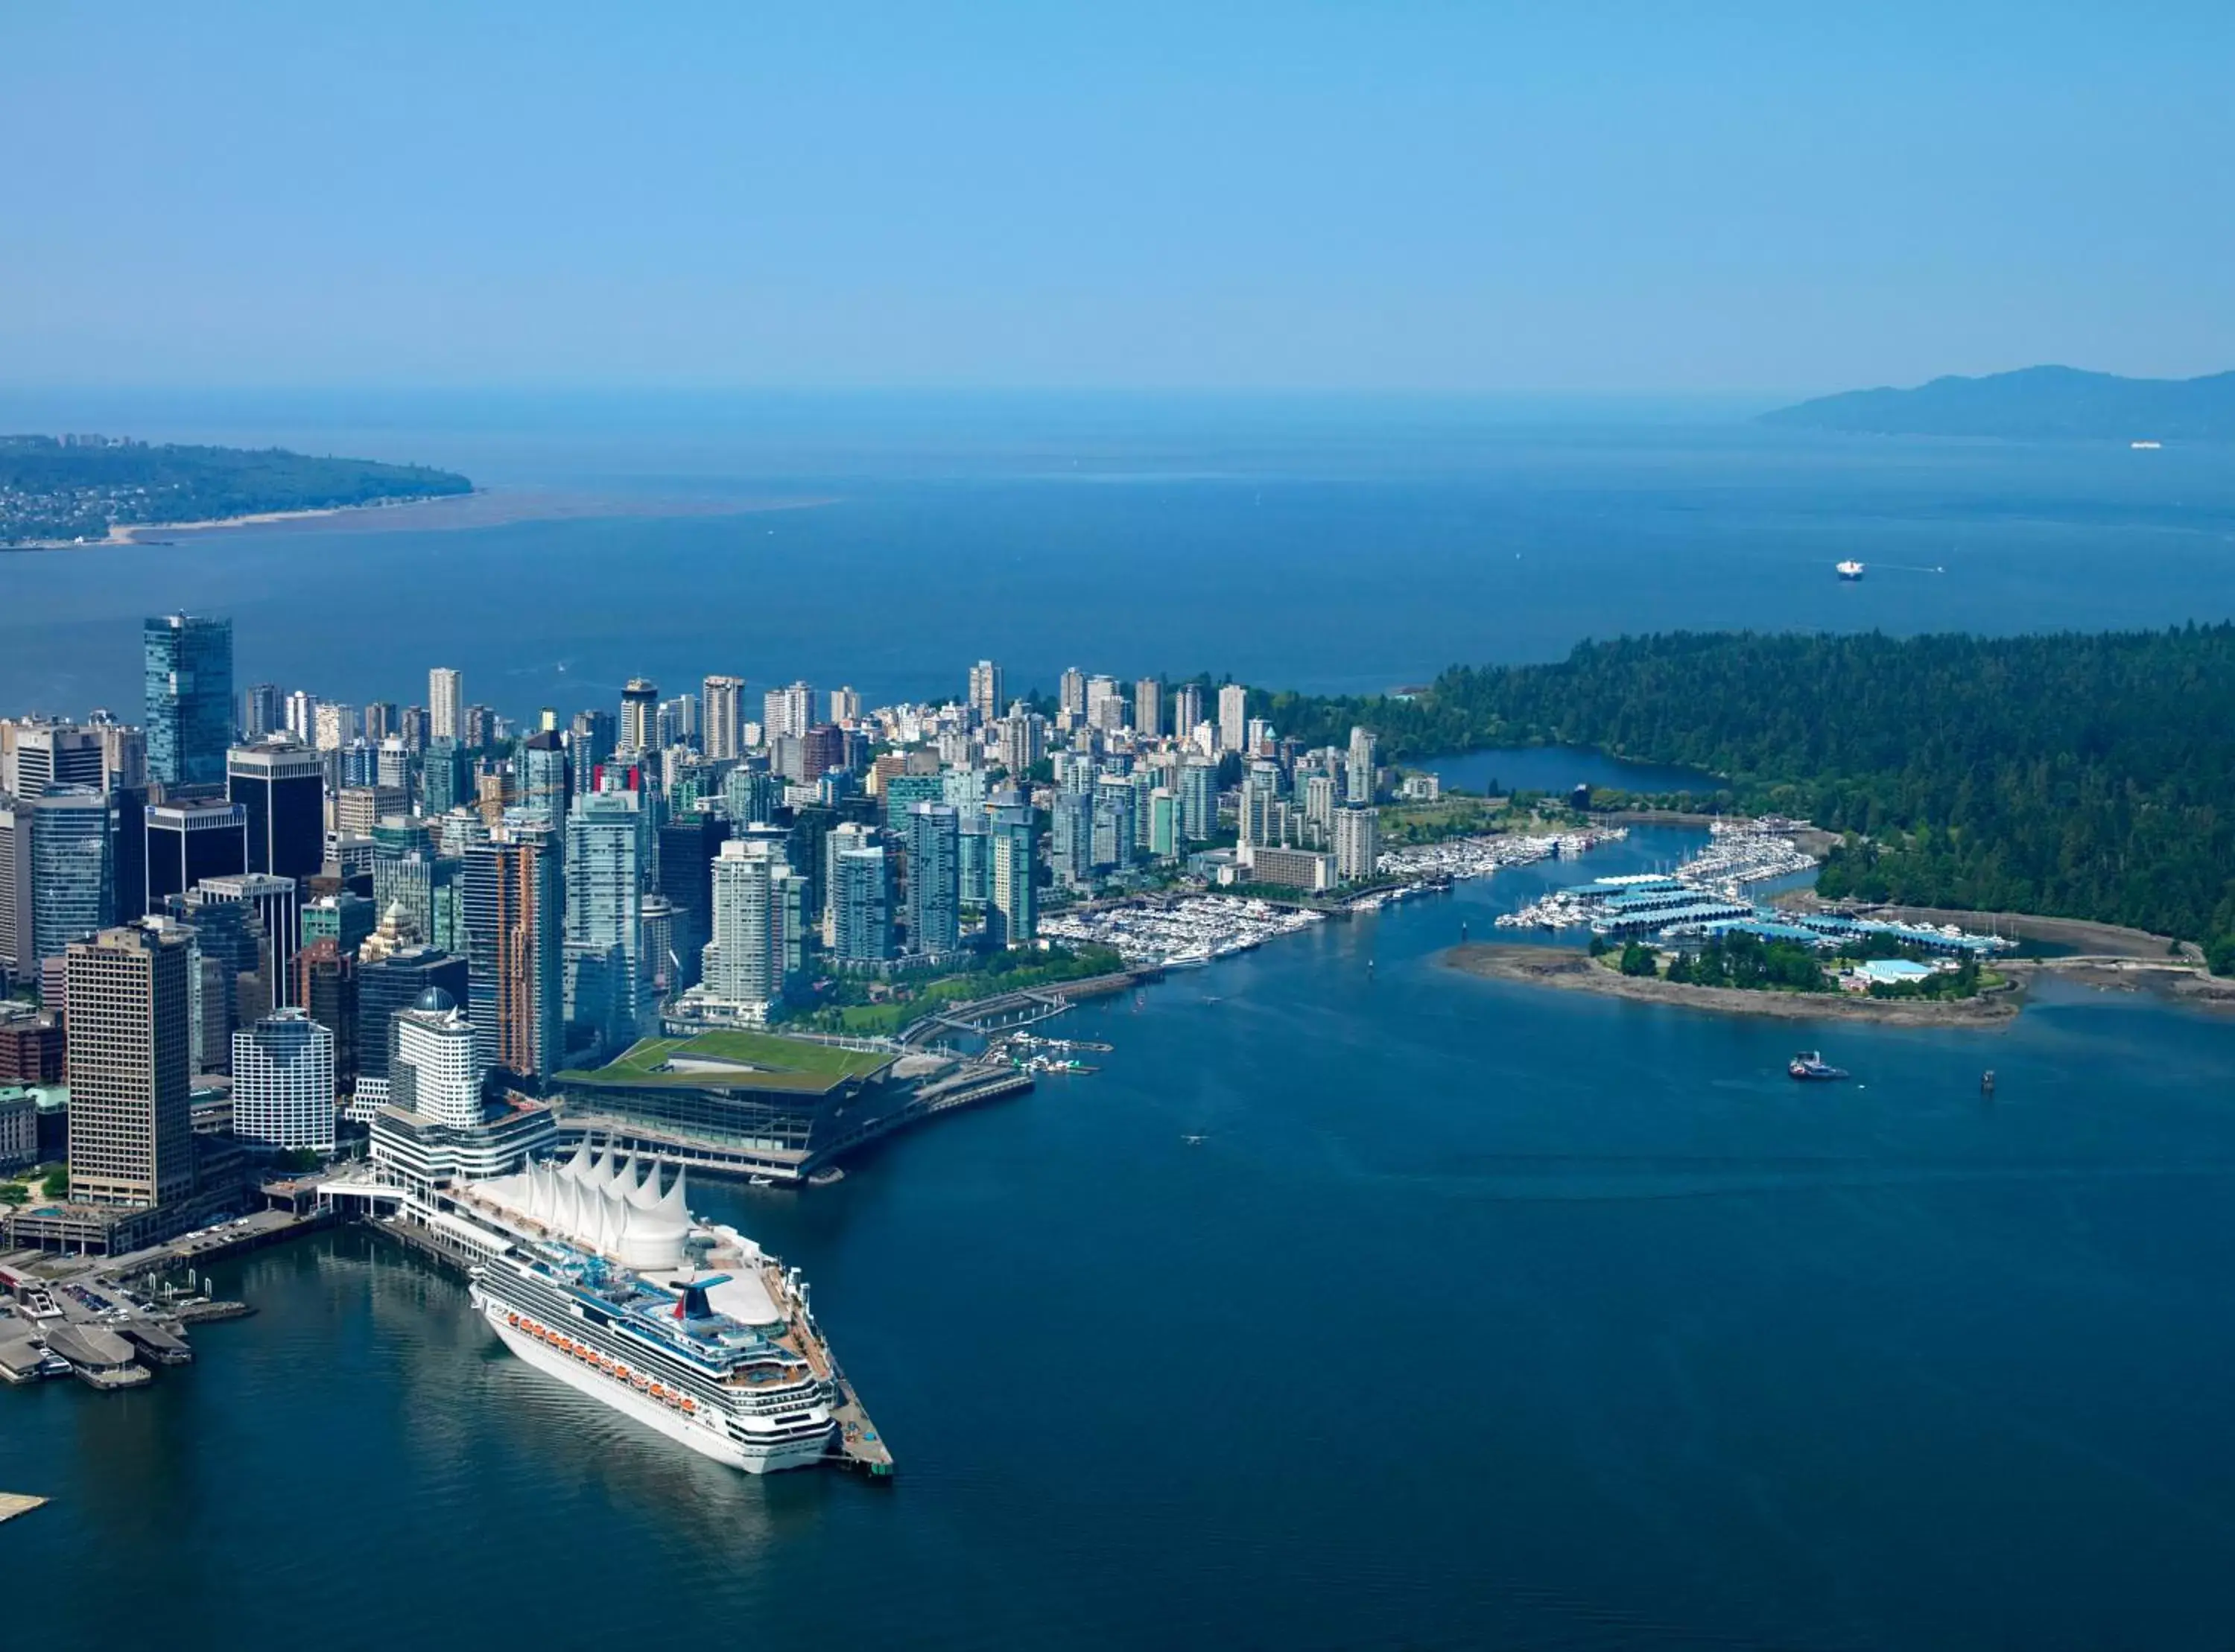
[1576, 971]
[482, 508]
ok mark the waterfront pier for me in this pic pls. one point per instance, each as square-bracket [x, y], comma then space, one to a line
[857, 1445]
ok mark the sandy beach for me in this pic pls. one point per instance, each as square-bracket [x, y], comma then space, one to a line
[482, 508]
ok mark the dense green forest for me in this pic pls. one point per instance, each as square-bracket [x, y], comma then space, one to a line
[81, 488]
[2083, 776]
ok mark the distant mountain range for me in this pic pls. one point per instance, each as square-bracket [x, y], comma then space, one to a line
[2035, 404]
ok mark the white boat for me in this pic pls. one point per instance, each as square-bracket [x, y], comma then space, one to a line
[1849, 569]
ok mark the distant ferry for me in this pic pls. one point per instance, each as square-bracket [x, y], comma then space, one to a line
[2145, 446]
[1848, 570]
[1810, 1065]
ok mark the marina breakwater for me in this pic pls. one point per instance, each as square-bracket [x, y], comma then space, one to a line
[1568, 970]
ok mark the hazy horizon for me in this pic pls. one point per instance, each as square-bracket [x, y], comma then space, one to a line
[1258, 199]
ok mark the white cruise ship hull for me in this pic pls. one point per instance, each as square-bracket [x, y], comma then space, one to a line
[707, 1433]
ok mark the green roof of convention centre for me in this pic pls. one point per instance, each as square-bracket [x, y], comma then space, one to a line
[734, 1059]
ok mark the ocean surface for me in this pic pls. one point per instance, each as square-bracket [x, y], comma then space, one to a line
[1481, 1316]
[1350, 548]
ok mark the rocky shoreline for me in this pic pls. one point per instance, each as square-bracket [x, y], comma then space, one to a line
[1576, 971]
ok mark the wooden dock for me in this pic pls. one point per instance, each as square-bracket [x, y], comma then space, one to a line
[14, 1503]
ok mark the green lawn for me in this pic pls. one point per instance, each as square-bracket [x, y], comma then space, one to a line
[776, 1062]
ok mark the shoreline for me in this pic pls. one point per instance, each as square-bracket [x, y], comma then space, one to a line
[1574, 971]
[125, 533]
[482, 507]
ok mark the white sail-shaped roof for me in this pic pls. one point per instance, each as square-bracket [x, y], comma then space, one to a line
[645, 1196]
[671, 1207]
[539, 1189]
[600, 1202]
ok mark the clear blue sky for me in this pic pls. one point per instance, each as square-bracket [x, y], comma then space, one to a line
[1465, 197]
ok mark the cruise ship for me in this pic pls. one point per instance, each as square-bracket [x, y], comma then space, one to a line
[593, 1273]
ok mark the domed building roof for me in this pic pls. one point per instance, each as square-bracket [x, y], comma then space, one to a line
[391, 935]
[436, 1000]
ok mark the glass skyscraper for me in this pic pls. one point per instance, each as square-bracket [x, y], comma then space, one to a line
[540, 763]
[934, 906]
[1071, 845]
[514, 904]
[747, 963]
[73, 885]
[1198, 800]
[686, 877]
[281, 789]
[189, 692]
[861, 907]
[446, 778]
[606, 860]
[1013, 915]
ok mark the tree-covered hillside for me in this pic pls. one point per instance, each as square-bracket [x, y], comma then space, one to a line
[2083, 776]
[80, 487]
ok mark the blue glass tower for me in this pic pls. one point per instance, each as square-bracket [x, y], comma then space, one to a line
[934, 904]
[189, 712]
[863, 905]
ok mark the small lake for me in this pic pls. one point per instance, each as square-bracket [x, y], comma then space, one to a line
[1560, 768]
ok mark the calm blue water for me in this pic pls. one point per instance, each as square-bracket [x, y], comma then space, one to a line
[1322, 547]
[1483, 1316]
[1561, 769]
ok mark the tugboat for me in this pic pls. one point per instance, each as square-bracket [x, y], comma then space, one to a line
[1809, 1065]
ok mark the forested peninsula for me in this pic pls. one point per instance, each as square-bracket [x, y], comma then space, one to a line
[59, 490]
[2076, 776]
